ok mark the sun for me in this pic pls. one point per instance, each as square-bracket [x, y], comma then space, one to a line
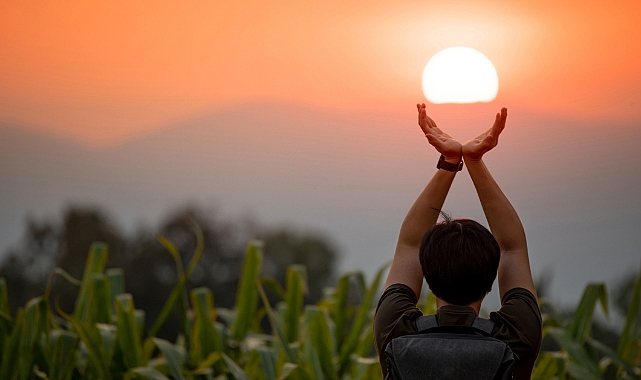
[460, 75]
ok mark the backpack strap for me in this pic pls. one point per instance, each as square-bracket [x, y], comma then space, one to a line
[428, 322]
[485, 325]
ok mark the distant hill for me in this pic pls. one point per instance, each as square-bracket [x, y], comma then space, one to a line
[352, 176]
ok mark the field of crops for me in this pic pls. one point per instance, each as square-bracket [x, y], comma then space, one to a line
[106, 338]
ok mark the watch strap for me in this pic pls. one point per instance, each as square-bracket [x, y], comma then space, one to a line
[450, 167]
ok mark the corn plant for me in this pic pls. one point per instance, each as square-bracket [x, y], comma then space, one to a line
[105, 336]
[581, 356]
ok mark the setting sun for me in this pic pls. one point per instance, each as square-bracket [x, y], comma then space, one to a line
[460, 75]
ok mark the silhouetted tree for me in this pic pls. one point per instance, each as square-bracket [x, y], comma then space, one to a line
[284, 247]
[150, 271]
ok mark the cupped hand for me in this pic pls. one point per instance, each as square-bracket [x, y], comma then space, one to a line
[474, 149]
[449, 147]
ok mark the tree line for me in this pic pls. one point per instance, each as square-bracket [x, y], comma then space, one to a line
[149, 268]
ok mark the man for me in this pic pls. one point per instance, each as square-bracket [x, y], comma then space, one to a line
[460, 258]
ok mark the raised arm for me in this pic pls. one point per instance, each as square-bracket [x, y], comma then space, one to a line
[406, 268]
[514, 267]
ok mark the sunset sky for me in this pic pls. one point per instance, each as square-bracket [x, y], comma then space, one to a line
[303, 114]
[104, 72]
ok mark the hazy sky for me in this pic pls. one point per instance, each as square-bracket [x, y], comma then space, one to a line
[303, 112]
[101, 72]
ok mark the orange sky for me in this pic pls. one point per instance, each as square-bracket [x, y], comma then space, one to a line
[102, 72]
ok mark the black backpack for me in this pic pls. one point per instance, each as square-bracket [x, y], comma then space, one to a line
[449, 352]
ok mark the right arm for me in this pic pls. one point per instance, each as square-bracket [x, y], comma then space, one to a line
[514, 266]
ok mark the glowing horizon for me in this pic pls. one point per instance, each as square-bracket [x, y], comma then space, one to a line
[104, 72]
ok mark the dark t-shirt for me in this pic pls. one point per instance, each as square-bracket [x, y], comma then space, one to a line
[518, 323]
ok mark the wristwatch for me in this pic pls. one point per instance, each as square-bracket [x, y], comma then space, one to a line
[442, 164]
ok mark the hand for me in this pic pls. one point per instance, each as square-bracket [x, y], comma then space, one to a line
[444, 143]
[474, 149]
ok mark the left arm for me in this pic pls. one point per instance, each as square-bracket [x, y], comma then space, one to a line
[406, 268]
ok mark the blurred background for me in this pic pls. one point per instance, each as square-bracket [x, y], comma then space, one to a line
[295, 123]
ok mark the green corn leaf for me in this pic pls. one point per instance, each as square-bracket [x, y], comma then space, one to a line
[92, 340]
[277, 325]
[296, 288]
[267, 362]
[235, 370]
[116, 278]
[129, 337]
[251, 365]
[31, 331]
[205, 365]
[366, 342]
[430, 304]
[11, 352]
[575, 350]
[292, 371]
[339, 313]
[61, 354]
[367, 369]
[108, 336]
[359, 323]
[313, 360]
[579, 372]
[178, 293]
[628, 344]
[321, 341]
[198, 252]
[140, 319]
[99, 299]
[205, 339]
[95, 264]
[173, 251]
[581, 326]
[274, 286]
[546, 367]
[174, 297]
[247, 296]
[174, 357]
[146, 373]
[610, 354]
[359, 278]
[4, 297]
[63, 274]
[6, 327]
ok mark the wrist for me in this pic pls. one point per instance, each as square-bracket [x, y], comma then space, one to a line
[452, 159]
[451, 164]
[472, 159]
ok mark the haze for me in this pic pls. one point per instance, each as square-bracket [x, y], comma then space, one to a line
[304, 113]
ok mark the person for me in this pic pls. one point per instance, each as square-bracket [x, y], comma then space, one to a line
[459, 258]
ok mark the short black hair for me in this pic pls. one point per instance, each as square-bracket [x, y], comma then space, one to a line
[460, 260]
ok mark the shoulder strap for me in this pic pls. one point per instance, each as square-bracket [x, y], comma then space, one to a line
[485, 325]
[428, 322]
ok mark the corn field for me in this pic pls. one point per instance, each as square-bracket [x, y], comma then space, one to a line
[106, 338]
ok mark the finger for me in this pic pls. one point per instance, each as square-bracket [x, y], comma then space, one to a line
[496, 126]
[431, 122]
[503, 118]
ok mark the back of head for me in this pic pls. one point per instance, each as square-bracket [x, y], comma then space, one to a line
[460, 260]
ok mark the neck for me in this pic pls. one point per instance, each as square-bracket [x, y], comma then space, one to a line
[476, 305]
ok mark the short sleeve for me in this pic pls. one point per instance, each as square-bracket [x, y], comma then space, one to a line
[395, 316]
[518, 323]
